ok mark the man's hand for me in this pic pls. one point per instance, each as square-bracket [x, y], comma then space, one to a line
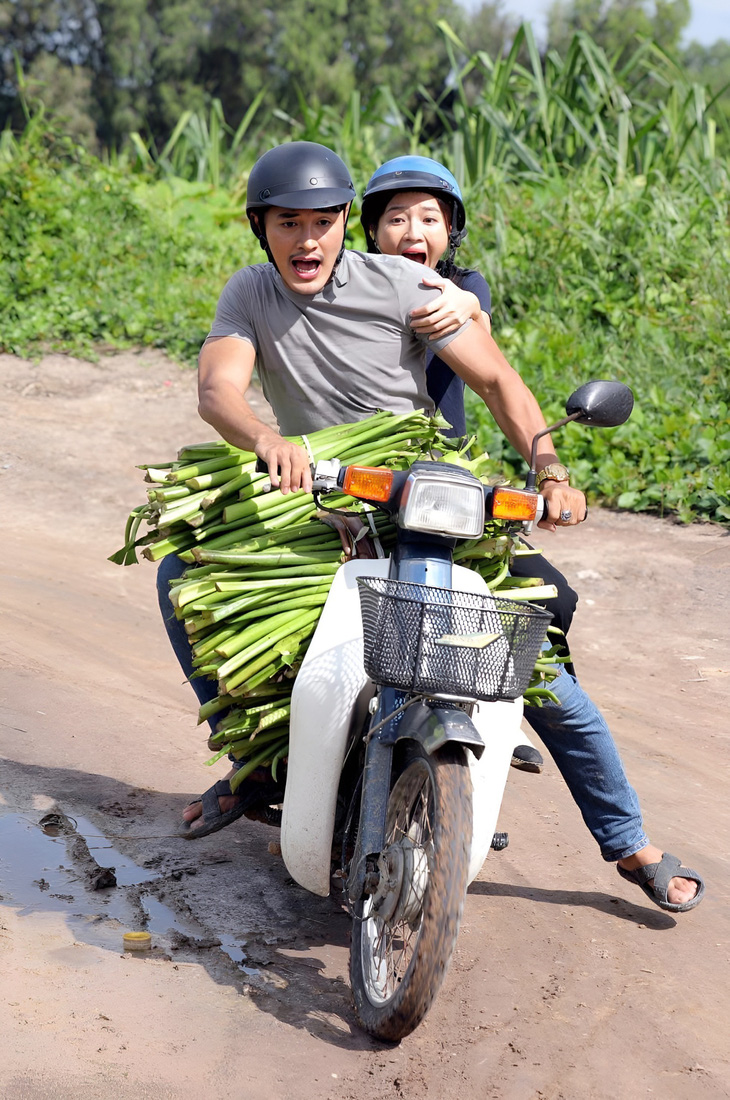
[288, 465]
[560, 498]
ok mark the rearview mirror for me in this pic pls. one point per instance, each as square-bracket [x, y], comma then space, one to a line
[600, 404]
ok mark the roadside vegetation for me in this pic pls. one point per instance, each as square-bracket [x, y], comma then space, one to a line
[597, 192]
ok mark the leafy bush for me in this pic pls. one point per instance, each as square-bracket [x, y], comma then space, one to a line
[92, 256]
[598, 214]
[629, 283]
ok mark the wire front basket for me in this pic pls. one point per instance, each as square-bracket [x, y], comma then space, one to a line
[437, 641]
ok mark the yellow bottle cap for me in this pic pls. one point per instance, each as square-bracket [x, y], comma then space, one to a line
[137, 941]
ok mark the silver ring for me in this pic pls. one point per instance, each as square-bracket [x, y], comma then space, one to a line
[565, 516]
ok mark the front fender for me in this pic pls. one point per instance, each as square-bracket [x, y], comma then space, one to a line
[491, 736]
[433, 726]
[326, 694]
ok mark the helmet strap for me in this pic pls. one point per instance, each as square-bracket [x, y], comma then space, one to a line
[341, 253]
[456, 236]
[259, 234]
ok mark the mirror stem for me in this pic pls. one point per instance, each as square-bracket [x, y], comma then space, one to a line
[531, 482]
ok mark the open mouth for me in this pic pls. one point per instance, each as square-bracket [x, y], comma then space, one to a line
[306, 269]
[415, 254]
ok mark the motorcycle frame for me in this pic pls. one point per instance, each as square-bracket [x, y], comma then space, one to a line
[421, 560]
[330, 701]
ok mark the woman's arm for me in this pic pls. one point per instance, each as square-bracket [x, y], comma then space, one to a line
[450, 311]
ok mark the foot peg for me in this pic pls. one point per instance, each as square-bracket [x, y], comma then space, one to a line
[499, 841]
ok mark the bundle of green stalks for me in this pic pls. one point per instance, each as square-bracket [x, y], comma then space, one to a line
[261, 564]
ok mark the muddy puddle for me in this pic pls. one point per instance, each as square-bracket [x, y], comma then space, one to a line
[61, 863]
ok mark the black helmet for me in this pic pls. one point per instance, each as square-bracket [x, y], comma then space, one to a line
[302, 175]
[413, 173]
[299, 174]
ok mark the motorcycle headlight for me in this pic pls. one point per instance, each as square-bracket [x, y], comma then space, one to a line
[443, 504]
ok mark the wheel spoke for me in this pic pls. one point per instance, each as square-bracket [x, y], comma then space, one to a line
[407, 928]
[391, 945]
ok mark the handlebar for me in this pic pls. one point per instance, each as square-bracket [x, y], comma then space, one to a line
[328, 474]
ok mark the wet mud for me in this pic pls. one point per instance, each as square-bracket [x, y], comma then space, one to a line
[63, 862]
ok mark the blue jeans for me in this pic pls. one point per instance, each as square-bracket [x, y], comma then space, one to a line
[170, 568]
[579, 741]
[575, 734]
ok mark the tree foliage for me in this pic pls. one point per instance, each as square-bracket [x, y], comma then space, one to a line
[141, 63]
[491, 28]
[615, 24]
[107, 69]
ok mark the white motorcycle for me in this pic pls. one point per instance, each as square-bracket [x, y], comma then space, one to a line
[404, 716]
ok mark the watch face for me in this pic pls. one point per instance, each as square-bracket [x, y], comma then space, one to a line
[553, 472]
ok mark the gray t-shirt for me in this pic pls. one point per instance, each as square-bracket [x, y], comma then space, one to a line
[339, 355]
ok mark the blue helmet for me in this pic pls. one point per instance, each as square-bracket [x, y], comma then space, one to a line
[412, 173]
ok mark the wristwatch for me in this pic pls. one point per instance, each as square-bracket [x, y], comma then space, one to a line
[554, 471]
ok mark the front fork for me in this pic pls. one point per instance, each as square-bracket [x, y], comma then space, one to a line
[410, 561]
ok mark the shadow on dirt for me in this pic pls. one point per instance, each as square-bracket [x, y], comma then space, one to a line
[657, 921]
[223, 902]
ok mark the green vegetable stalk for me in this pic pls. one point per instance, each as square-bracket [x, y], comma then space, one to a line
[261, 564]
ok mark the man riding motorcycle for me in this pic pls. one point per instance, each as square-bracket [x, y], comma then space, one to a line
[330, 334]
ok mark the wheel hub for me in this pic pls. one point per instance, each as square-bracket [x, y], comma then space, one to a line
[402, 882]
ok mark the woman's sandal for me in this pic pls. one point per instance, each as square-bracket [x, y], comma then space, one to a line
[253, 799]
[662, 873]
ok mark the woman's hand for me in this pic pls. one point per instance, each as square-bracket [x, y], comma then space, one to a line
[446, 313]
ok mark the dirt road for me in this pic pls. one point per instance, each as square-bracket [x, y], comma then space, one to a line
[566, 982]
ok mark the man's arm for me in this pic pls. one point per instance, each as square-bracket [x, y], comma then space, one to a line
[225, 370]
[475, 357]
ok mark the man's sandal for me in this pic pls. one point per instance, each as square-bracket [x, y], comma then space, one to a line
[662, 873]
[253, 798]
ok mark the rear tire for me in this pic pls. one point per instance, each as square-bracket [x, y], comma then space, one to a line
[404, 935]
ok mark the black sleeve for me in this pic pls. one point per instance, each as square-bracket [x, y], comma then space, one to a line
[446, 388]
[476, 284]
[562, 607]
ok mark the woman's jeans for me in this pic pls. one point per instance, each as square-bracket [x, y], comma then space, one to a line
[574, 733]
[169, 569]
[579, 741]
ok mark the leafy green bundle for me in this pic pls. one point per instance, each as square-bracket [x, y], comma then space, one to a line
[262, 564]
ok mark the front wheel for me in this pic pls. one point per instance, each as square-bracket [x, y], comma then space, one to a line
[404, 932]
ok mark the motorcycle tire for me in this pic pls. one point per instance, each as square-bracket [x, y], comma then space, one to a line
[404, 935]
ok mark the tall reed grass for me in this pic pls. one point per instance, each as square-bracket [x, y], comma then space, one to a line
[498, 116]
[597, 200]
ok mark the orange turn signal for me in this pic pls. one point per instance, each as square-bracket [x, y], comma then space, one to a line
[368, 482]
[514, 504]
